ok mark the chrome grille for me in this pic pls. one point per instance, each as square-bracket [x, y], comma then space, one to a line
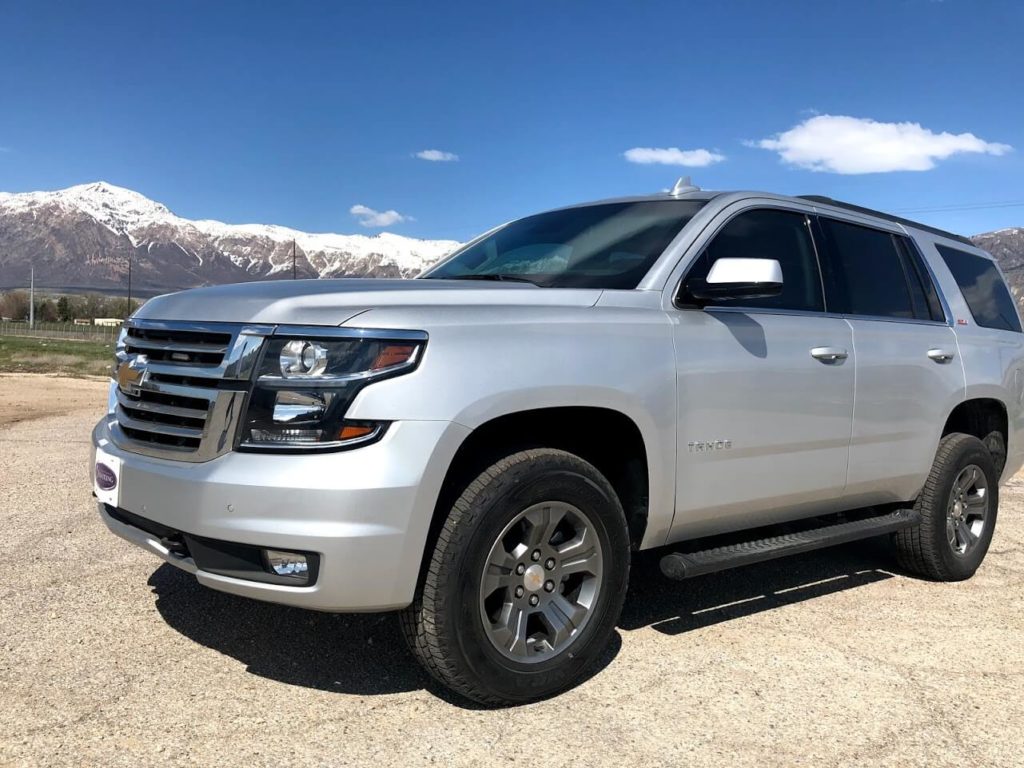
[181, 386]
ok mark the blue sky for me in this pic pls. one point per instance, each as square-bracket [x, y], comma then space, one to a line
[294, 113]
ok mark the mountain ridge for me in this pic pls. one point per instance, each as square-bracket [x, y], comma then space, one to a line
[82, 237]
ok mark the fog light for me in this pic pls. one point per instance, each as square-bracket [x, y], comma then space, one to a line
[289, 565]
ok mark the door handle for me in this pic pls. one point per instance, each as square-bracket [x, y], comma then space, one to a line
[829, 354]
[940, 355]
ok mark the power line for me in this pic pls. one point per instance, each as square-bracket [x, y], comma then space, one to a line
[963, 207]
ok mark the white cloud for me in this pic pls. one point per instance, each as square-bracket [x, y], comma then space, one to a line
[692, 158]
[371, 218]
[437, 156]
[851, 145]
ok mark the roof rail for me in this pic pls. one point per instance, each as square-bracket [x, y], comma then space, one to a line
[887, 216]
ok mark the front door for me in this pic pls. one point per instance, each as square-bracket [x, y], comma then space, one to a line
[765, 391]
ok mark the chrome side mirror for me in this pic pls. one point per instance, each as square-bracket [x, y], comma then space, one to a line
[732, 279]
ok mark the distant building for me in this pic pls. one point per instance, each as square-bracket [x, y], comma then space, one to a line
[108, 321]
[83, 321]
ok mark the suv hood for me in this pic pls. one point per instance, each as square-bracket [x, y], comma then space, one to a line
[332, 302]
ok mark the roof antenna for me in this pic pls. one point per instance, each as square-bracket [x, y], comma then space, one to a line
[683, 186]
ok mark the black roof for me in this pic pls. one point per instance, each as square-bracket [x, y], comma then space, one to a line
[887, 216]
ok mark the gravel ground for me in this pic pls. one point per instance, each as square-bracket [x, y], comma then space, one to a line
[27, 396]
[110, 657]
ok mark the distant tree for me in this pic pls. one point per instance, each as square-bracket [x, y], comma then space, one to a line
[65, 312]
[121, 307]
[14, 304]
[46, 311]
[94, 306]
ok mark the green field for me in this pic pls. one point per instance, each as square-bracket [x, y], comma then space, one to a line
[19, 354]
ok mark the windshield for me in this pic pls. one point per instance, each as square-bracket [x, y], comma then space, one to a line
[609, 245]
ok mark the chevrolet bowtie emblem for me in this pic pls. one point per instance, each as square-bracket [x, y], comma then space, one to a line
[131, 374]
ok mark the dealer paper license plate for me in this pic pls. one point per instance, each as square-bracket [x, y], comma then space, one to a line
[106, 478]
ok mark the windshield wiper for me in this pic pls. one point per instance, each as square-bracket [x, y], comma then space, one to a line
[493, 276]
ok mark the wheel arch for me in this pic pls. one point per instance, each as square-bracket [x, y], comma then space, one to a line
[984, 418]
[607, 438]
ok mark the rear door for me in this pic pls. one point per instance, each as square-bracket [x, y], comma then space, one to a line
[909, 376]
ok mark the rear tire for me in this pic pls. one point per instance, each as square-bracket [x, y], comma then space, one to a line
[958, 507]
[526, 582]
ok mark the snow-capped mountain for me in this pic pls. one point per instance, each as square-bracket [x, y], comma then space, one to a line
[83, 236]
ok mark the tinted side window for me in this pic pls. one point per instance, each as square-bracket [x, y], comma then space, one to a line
[983, 289]
[769, 234]
[866, 274]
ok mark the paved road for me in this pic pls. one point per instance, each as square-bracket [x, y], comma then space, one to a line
[108, 657]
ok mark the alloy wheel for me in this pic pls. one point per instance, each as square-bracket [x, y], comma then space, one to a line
[967, 509]
[541, 582]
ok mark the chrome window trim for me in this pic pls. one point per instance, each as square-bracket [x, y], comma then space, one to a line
[806, 313]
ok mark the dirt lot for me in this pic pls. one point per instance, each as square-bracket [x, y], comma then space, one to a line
[111, 658]
[25, 396]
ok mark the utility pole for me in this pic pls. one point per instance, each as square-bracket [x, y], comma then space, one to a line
[293, 258]
[32, 299]
[129, 312]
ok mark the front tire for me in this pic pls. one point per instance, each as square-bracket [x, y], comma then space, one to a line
[526, 582]
[958, 507]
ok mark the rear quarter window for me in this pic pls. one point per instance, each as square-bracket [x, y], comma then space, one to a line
[983, 288]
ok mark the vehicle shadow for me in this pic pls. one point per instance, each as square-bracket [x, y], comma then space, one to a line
[362, 654]
[365, 655]
[677, 607]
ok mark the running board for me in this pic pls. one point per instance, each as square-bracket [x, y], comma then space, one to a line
[680, 565]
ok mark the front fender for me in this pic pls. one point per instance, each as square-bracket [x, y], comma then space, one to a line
[476, 369]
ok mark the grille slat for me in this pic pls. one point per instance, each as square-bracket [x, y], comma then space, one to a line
[139, 425]
[162, 409]
[181, 390]
[175, 346]
[184, 369]
[149, 347]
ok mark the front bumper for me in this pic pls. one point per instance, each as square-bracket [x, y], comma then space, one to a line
[365, 512]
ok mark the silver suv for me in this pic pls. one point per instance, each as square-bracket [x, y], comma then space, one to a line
[732, 377]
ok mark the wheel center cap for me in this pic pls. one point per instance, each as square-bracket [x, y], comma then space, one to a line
[533, 579]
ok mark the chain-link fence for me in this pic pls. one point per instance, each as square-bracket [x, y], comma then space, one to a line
[61, 331]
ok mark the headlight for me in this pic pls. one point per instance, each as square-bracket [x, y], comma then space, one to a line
[304, 387]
